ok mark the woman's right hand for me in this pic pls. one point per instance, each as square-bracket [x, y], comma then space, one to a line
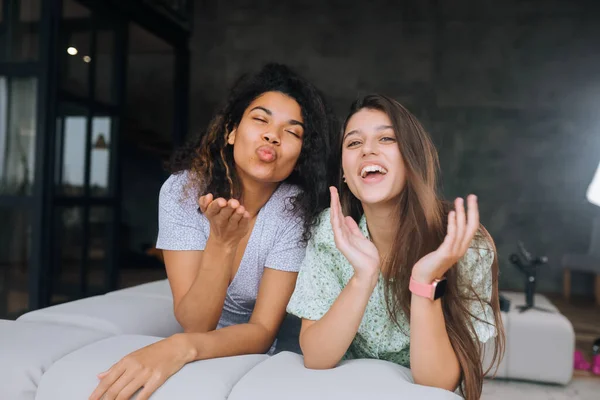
[358, 250]
[229, 220]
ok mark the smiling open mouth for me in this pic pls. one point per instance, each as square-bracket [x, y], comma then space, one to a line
[372, 170]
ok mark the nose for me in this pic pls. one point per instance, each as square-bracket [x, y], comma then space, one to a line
[369, 148]
[271, 137]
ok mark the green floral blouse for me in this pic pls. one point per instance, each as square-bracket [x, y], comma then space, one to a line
[325, 272]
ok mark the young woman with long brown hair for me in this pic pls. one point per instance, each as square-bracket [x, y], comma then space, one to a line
[415, 280]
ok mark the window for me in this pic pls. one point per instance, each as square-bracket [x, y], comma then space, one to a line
[17, 134]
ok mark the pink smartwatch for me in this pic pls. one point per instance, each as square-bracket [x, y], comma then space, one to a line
[432, 291]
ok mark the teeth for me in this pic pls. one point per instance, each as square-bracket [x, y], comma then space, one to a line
[372, 168]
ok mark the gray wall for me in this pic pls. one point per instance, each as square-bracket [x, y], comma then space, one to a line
[509, 90]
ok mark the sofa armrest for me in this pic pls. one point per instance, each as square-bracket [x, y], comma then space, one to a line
[144, 315]
[27, 350]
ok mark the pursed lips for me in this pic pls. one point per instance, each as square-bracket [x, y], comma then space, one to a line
[266, 153]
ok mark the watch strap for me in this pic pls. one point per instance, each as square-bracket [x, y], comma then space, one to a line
[422, 289]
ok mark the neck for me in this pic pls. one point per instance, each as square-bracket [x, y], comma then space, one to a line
[380, 229]
[255, 195]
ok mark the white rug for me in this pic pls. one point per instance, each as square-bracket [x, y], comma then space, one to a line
[578, 389]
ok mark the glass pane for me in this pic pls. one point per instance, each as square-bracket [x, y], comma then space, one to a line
[105, 59]
[17, 134]
[71, 150]
[74, 48]
[68, 244]
[99, 245]
[15, 240]
[19, 30]
[26, 31]
[3, 30]
[100, 157]
[150, 93]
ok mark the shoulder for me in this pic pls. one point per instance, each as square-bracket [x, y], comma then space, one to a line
[479, 256]
[280, 206]
[175, 184]
[178, 190]
[282, 198]
[323, 233]
[287, 190]
[482, 243]
[323, 255]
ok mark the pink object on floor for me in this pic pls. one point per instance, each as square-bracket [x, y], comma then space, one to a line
[581, 363]
[596, 364]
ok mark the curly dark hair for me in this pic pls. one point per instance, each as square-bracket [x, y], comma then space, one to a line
[210, 160]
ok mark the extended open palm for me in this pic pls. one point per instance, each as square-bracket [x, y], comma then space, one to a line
[360, 251]
[456, 243]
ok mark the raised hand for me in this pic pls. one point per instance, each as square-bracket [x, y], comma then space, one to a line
[229, 220]
[360, 251]
[461, 231]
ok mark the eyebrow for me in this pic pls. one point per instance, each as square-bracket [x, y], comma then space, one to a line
[270, 113]
[264, 109]
[378, 128]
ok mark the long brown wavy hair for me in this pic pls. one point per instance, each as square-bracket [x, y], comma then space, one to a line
[424, 217]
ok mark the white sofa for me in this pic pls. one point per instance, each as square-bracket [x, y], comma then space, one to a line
[56, 353]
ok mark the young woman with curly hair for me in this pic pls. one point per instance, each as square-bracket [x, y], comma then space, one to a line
[234, 219]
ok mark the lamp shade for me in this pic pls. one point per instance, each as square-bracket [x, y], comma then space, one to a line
[593, 192]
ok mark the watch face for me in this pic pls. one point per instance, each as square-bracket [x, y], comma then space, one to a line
[440, 289]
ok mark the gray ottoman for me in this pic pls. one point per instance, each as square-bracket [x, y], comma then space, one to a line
[539, 345]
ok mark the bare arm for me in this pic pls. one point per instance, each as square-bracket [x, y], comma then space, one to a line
[324, 342]
[432, 358]
[258, 334]
[199, 281]
[149, 367]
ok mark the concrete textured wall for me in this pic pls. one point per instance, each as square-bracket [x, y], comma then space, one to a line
[508, 90]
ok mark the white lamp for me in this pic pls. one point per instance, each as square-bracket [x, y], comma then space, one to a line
[593, 192]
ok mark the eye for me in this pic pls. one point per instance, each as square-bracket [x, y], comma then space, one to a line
[388, 139]
[294, 134]
[353, 143]
[260, 119]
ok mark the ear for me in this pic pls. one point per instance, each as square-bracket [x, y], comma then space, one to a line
[231, 137]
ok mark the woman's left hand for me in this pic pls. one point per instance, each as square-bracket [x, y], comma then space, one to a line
[456, 243]
[148, 367]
